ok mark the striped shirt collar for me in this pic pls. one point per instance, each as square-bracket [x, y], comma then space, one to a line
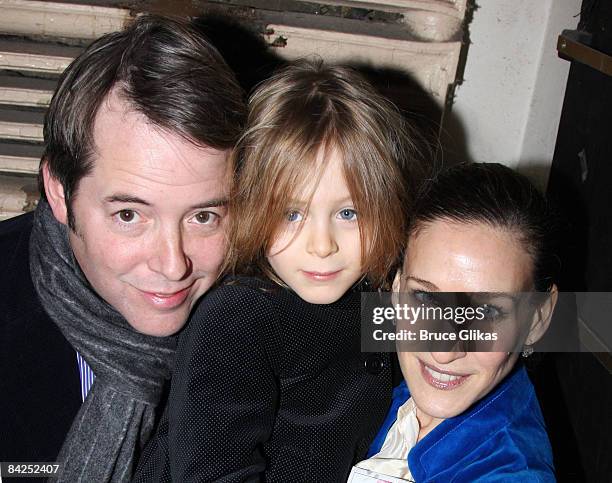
[86, 374]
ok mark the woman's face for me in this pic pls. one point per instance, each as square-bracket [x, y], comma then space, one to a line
[446, 256]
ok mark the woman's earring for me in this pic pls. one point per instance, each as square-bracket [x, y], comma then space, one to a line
[527, 351]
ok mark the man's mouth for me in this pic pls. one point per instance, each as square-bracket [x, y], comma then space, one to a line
[167, 300]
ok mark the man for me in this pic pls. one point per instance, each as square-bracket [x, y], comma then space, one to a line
[127, 236]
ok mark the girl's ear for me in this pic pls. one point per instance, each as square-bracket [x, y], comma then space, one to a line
[542, 317]
[55, 195]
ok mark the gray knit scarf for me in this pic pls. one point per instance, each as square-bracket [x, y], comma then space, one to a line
[131, 368]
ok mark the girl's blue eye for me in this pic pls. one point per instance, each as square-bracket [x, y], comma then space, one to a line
[294, 216]
[347, 214]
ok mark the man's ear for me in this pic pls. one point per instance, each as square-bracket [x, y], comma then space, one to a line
[542, 317]
[55, 195]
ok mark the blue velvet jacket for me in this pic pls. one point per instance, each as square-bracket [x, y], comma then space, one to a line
[501, 438]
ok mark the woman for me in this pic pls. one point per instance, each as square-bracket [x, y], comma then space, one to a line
[460, 415]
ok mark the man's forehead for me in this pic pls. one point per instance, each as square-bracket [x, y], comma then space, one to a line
[118, 104]
[127, 142]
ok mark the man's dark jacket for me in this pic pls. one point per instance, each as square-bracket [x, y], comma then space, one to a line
[39, 379]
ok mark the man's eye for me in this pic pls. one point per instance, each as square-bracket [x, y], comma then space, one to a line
[347, 214]
[205, 218]
[294, 216]
[127, 216]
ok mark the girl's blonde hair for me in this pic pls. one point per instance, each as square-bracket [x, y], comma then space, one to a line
[303, 109]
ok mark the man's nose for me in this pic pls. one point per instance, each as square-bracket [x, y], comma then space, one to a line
[169, 258]
[321, 240]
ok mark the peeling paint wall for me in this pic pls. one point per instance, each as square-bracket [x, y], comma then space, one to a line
[510, 101]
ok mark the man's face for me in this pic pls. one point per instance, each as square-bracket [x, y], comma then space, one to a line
[149, 219]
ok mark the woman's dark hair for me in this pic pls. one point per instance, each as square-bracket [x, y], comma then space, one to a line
[164, 69]
[495, 195]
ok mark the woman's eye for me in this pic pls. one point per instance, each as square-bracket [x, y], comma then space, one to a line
[205, 217]
[127, 216]
[294, 216]
[426, 298]
[491, 312]
[347, 214]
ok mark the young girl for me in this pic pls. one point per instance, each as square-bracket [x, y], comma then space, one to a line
[270, 381]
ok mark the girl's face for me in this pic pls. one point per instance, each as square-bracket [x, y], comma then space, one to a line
[318, 253]
[448, 256]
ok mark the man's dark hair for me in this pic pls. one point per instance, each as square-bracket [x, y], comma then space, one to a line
[497, 196]
[165, 70]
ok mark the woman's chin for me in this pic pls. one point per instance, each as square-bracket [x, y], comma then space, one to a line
[438, 407]
[441, 402]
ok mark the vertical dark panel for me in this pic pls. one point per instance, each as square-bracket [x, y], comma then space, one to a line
[576, 388]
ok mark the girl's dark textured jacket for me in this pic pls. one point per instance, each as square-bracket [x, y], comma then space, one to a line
[269, 387]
